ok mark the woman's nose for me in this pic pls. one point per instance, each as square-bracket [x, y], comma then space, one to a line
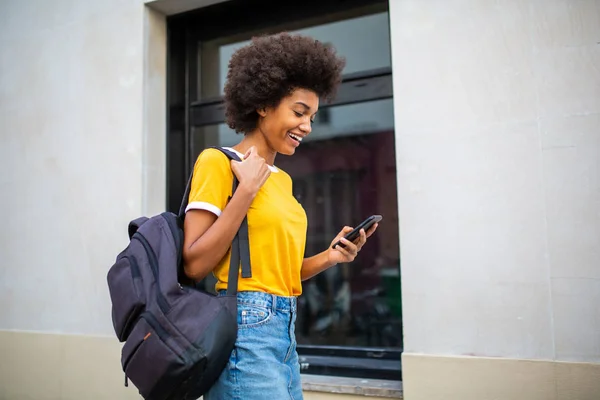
[306, 127]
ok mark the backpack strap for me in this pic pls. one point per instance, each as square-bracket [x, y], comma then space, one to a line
[241, 240]
[240, 247]
[186, 195]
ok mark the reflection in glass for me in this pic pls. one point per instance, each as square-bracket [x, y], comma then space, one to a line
[340, 181]
[343, 174]
[364, 41]
[346, 120]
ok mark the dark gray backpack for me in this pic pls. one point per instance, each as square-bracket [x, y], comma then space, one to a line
[177, 339]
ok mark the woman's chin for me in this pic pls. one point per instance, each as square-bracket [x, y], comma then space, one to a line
[287, 150]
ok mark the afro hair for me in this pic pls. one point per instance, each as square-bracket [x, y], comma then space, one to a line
[270, 68]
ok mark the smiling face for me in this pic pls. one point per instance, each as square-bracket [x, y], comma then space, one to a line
[285, 126]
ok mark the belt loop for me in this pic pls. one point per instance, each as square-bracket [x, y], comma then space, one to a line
[274, 305]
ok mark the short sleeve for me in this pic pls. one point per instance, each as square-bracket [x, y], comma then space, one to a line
[211, 182]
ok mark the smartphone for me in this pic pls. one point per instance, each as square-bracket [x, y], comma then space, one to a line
[355, 233]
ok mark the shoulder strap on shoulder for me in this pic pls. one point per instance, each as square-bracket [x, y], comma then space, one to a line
[241, 240]
[240, 248]
[186, 195]
[230, 154]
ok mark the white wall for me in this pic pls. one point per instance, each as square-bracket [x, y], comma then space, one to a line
[76, 154]
[497, 115]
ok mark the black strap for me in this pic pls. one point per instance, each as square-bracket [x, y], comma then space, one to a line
[232, 281]
[240, 247]
[245, 249]
[186, 197]
[186, 194]
[241, 239]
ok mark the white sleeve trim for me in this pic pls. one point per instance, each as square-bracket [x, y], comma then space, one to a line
[201, 205]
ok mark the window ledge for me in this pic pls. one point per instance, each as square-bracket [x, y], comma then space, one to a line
[352, 386]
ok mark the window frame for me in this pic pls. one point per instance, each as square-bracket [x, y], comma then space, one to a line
[357, 87]
[185, 111]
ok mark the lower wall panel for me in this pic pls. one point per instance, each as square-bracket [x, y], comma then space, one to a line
[476, 378]
[45, 366]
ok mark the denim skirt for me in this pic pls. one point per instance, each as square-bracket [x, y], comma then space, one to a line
[264, 363]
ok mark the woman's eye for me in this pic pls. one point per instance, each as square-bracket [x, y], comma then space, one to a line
[298, 114]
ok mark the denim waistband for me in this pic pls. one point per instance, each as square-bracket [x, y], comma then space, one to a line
[274, 302]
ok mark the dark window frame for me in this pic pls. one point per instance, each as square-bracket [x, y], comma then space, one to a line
[358, 87]
[185, 112]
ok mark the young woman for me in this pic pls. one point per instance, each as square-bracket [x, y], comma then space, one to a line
[271, 95]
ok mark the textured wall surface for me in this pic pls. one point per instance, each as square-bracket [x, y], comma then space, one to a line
[497, 108]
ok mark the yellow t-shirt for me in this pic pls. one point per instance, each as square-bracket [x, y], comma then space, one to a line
[277, 225]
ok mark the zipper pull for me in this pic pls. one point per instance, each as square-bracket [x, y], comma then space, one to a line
[126, 381]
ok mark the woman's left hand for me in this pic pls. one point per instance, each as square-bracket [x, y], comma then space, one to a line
[348, 253]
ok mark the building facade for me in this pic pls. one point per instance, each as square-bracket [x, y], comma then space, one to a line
[484, 132]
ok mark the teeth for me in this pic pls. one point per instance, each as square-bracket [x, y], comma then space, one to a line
[298, 138]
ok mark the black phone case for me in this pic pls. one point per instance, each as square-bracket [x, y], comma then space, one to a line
[355, 233]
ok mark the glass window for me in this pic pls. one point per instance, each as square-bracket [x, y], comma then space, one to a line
[343, 172]
[364, 41]
[332, 122]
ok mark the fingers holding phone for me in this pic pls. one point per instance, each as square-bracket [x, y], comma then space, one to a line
[343, 239]
[370, 231]
[368, 226]
[350, 241]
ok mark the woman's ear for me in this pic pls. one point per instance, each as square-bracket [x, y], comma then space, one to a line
[262, 112]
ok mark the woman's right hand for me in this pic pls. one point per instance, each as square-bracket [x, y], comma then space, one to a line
[252, 172]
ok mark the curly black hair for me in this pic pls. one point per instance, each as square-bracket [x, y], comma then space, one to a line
[270, 68]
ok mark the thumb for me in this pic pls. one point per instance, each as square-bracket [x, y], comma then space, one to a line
[345, 230]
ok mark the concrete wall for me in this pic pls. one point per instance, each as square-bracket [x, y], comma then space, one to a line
[71, 96]
[497, 115]
[82, 125]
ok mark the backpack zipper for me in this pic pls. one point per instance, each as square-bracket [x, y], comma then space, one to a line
[162, 302]
[163, 334]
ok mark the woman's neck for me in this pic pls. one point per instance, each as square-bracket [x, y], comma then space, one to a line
[257, 139]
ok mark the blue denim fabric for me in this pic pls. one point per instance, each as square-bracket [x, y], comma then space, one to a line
[264, 363]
